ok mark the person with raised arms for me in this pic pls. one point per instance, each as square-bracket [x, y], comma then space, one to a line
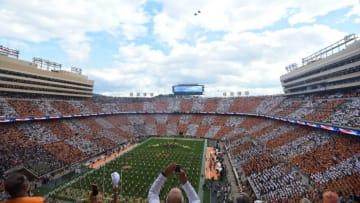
[175, 194]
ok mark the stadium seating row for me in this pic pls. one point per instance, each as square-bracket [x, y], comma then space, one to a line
[338, 109]
[321, 161]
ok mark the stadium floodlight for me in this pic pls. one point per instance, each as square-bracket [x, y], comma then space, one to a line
[349, 37]
[48, 65]
[6, 51]
[76, 70]
[291, 67]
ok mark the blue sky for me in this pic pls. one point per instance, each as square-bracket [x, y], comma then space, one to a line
[148, 46]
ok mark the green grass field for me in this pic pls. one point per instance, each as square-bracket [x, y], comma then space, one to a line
[139, 168]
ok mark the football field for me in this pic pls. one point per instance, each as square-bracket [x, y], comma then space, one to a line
[138, 168]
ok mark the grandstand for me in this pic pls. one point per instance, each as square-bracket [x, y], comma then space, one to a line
[280, 148]
[332, 68]
[42, 77]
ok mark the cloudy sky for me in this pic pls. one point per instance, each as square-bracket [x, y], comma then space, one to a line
[149, 45]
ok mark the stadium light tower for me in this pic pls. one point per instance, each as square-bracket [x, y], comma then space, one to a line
[6, 51]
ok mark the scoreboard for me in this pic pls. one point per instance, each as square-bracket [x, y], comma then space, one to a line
[188, 89]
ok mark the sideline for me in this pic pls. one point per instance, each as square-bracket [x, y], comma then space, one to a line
[202, 173]
[210, 167]
[111, 157]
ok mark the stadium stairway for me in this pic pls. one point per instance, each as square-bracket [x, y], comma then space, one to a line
[230, 176]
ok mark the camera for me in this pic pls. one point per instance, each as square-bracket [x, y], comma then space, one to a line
[94, 189]
[177, 169]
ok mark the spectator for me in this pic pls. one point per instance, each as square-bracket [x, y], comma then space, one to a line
[95, 197]
[175, 194]
[330, 197]
[305, 200]
[18, 187]
[243, 198]
[115, 195]
[351, 201]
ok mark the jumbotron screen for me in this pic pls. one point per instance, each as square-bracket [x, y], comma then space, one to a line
[188, 89]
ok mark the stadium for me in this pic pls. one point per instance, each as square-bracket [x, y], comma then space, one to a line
[276, 148]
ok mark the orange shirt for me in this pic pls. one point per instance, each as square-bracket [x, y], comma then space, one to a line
[25, 200]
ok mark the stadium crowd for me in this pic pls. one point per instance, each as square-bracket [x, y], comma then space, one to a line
[316, 156]
[276, 185]
[257, 146]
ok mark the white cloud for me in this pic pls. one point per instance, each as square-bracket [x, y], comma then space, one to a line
[140, 53]
[245, 57]
[355, 11]
[177, 17]
[226, 15]
[309, 10]
[132, 31]
[169, 29]
[238, 62]
[177, 20]
[14, 44]
[77, 47]
[39, 21]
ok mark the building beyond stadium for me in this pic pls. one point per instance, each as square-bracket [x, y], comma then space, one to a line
[18, 76]
[332, 68]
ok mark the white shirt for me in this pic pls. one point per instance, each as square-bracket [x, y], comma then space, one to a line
[153, 196]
